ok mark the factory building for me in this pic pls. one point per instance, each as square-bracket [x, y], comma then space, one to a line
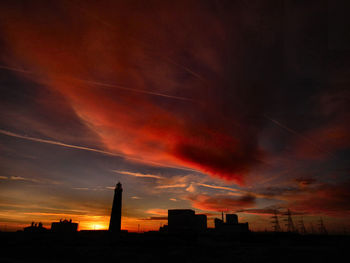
[231, 225]
[185, 220]
[35, 228]
[201, 222]
[64, 226]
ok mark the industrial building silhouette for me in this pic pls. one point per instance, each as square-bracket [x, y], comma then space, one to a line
[183, 221]
[64, 226]
[35, 228]
[186, 235]
[179, 221]
[231, 225]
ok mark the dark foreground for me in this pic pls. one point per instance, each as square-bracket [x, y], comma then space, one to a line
[98, 246]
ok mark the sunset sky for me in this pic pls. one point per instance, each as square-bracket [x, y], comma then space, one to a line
[234, 106]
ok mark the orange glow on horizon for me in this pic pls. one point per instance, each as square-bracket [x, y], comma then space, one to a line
[95, 226]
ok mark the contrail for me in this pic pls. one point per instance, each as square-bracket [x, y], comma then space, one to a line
[103, 84]
[16, 69]
[25, 137]
[187, 69]
[139, 174]
[72, 146]
[303, 137]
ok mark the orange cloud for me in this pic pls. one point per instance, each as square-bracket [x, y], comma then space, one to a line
[157, 211]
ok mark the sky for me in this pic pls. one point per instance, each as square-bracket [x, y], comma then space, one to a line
[217, 106]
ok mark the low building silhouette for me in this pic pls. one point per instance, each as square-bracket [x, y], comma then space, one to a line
[218, 223]
[201, 222]
[231, 225]
[35, 228]
[64, 226]
[185, 220]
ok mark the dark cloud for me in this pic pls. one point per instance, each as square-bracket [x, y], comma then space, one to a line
[279, 210]
[331, 199]
[305, 182]
[308, 198]
[263, 211]
[221, 202]
[275, 191]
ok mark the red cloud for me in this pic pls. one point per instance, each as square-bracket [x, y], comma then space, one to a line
[330, 199]
[305, 182]
[221, 203]
[136, 79]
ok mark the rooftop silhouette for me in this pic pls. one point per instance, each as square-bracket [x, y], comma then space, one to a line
[64, 226]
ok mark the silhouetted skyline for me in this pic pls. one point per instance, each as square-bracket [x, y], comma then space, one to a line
[230, 106]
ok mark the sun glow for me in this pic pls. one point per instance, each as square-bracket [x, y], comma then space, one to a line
[95, 225]
[99, 227]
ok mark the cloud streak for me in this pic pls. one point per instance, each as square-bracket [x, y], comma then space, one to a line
[139, 174]
[167, 186]
[220, 187]
[57, 143]
[102, 84]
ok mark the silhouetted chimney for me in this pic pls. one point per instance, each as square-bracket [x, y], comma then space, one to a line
[116, 214]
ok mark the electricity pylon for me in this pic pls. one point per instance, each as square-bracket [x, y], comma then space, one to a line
[290, 224]
[276, 225]
[302, 229]
[322, 228]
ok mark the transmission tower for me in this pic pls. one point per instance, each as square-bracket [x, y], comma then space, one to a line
[302, 229]
[312, 228]
[322, 228]
[290, 224]
[275, 223]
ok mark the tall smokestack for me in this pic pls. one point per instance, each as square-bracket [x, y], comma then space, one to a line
[116, 215]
